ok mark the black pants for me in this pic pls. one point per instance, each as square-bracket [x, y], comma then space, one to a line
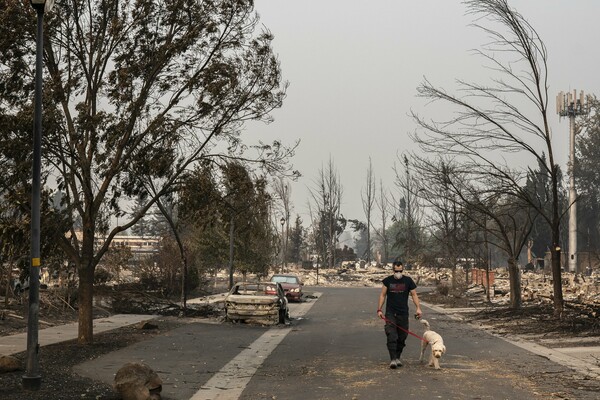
[396, 337]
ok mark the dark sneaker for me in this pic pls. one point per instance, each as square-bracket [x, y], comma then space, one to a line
[393, 364]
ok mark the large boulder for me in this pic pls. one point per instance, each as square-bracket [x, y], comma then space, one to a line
[9, 364]
[136, 381]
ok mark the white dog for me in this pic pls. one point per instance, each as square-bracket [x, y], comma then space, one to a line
[437, 345]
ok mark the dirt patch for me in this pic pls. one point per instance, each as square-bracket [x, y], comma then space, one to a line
[56, 309]
[454, 300]
[53, 310]
[537, 319]
[533, 318]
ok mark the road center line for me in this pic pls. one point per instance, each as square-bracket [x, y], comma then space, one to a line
[232, 379]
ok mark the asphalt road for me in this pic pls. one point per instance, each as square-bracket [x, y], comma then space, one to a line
[335, 349]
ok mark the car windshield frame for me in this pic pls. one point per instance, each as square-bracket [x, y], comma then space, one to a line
[253, 288]
[286, 279]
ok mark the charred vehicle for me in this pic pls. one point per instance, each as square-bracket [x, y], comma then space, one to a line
[259, 302]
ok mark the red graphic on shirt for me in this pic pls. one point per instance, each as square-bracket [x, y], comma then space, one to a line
[397, 287]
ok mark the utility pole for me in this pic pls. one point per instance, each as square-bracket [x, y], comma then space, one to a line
[32, 380]
[568, 105]
[409, 220]
[282, 221]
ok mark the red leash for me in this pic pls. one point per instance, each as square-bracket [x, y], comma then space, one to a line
[405, 330]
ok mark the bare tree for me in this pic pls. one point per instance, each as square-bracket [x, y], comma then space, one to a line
[409, 236]
[505, 220]
[383, 204]
[445, 216]
[316, 242]
[168, 212]
[327, 198]
[508, 116]
[283, 191]
[368, 201]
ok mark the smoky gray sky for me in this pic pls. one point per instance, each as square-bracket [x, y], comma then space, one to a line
[354, 68]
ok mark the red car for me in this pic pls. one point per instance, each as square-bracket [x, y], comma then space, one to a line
[291, 284]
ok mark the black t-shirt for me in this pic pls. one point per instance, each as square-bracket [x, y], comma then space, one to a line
[397, 294]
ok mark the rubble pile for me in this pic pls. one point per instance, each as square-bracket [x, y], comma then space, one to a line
[369, 276]
[535, 286]
[579, 291]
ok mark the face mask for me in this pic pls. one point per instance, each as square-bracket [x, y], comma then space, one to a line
[397, 275]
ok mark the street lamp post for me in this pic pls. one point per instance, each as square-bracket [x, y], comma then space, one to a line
[282, 222]
[568, 105]
[32, 379]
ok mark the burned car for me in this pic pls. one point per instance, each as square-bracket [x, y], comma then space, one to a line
[259, 302]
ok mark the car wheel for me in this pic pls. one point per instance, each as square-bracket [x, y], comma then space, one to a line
[282, 316]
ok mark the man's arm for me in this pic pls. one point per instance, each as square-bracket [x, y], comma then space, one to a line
[381, 301]
[415, 300]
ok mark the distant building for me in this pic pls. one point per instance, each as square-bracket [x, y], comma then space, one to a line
[141, 246]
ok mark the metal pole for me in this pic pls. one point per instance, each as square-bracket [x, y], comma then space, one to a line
[572, 263]
[285, 243]
[589, 268]
[32, 379]
[569, 105]
[231, 247]
[282, 249]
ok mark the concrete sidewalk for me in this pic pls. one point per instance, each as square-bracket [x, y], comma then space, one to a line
[17, 343]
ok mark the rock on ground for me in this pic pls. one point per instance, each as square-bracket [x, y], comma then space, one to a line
[136, 381]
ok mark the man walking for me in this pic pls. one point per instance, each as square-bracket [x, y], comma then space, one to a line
[396, 289]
